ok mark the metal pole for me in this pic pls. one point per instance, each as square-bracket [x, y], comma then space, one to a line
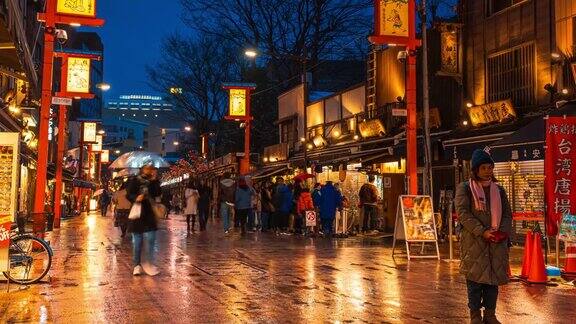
[45, 103]
[59, 160]
[427, 179]
[305, 91]
[411, 140]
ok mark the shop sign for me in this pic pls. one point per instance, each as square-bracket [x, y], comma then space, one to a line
[84, 8]
[78, 77]
[393, 17]
[560, 153]
[387, 182]
[89, 132]
[105, 156]
[237, 103]
[449, 52]
[417, 218]
[495, 112]
[97, 147]
[372, 128]
[9, 167]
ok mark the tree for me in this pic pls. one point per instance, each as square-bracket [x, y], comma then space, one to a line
[198, 66]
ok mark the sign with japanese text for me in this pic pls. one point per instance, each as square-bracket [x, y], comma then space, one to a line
[495, 112]
[105, 156]
[89, 132]
[371, 128]
[393, 18]
[78, 76]
[449, 52]
[560, 153]
[84, 8]
[97, 147]
[9, 172]
[237, 103]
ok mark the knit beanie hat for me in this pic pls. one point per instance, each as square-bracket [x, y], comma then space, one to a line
[480, 157]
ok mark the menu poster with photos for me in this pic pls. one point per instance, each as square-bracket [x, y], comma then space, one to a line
[9, 145]
[418, 218]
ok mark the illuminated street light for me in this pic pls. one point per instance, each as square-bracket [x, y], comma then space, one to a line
[469, 104]
[251, 53]
[117, 151]
[465, 122]
[188, 128]
[101, 132]
[565, 91]
[265, 159]
[302, 139]
[103, 86]
[336, 133]
[176, 143]
[356, 137]
[310, 146]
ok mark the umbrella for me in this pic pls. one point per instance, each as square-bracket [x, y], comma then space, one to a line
[303, 177]
[138, 159]
[98, 192]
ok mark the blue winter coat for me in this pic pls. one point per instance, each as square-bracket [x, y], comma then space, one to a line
[330, 201]
[316, 197]
[283, 199]
[243, 198]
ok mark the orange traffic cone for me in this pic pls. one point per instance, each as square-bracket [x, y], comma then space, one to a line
[537, 271]
[527, 257]
[570, 264]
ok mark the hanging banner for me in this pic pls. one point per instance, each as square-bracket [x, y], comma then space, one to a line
[560, 153]
[9, 170]
[89, 132]
[237, 103]
[97, 147]
[78, 77]
[449, 52]
[105, 156]
[84, 8]
[393, 16]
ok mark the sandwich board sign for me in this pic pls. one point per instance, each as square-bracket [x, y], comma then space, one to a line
[415, 223]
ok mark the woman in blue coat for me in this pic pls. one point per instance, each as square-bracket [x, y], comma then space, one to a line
[330, 201]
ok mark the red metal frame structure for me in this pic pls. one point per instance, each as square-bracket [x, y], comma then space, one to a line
[50, 18]
[62, 123]
[411, 44]
[246, 118]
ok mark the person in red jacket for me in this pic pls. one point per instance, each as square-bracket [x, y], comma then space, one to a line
[303, 204]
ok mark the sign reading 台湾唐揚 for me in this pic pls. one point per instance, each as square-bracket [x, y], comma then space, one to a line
[84, 8]
[78, 75]
[393, 18]
[498, 111]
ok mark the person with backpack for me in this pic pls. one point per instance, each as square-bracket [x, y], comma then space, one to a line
[267, 206]
[486, 220]
[191, 196]
[226, 192]
[330, 202]
[368, 201]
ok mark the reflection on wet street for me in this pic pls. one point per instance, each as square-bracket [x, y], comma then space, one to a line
[216, 278]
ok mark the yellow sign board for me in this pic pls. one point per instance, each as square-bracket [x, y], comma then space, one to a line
[371, 128]
[89, 132]
[237, 103]
[78, 75]
[105, 156]
[498, 111]
[394, 18]
[84, 8]
[97, 147]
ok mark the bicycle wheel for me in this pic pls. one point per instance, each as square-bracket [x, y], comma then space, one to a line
[30, 259]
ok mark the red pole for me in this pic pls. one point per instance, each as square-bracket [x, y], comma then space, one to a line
[245, 164]
[81, 167]
[46, 102]
[411, 127]
[59, 161]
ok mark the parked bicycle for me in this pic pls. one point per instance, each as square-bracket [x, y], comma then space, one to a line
[30, 258]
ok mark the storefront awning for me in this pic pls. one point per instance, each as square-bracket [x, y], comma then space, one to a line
[462, 148]
[268, 172]
[525, 144]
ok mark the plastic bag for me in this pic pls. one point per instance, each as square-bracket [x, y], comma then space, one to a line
[135, 211]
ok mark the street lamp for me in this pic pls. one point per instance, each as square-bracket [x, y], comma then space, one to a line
[117, 151]
[188, 128]
[176, 143]
[251, 53]
[101, 132]
[103, 86]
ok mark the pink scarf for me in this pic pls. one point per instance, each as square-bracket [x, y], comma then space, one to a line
[480, 200]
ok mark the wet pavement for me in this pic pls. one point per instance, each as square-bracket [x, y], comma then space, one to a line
[211, 277]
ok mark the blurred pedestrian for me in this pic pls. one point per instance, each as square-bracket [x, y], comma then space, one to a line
[143, 189]
[226, 192]
[368, 201]
[122, 209]
[243, 203]
[104, 201]
[283, 204]
[167, 201]
[192, 197]
[316, 194]
[267, 205]
[204, 204]
[330, 202]
[486, 219]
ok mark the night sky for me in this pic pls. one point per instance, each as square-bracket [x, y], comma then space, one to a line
[132, 35]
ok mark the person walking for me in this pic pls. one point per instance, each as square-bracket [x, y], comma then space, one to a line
[486, 219]
[226, 192]
[204, 204]
[104, 202]
[144, 189]
[243, 203]
[122, 209]
[316, 195]
[368, 201]
[267, 205]
[283, 205]
[192, 197]
[330, 201]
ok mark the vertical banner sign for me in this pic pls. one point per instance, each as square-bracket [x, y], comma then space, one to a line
[9, 167]
[105, 156]
[560, 153]
[393, 18]
[84, 8]
[78, 75]
[449, 53]
[89, 132]
[237, 103]
[97, 147]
